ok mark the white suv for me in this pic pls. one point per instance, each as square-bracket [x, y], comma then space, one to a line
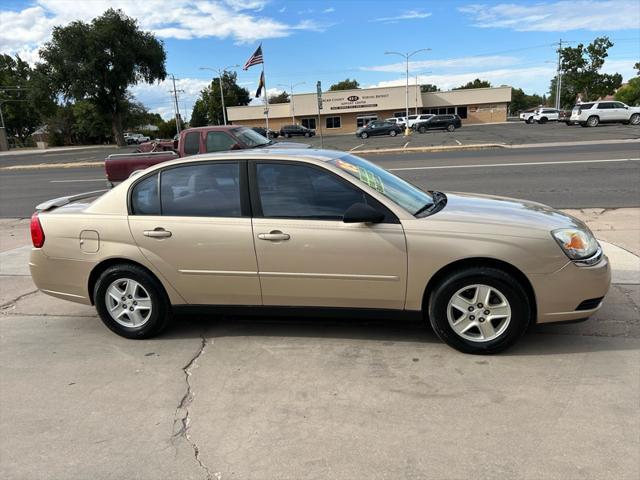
[544, 115]
[593, 113]
[400, 121]
[413, 119]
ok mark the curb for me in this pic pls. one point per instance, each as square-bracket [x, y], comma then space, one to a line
[41, 166]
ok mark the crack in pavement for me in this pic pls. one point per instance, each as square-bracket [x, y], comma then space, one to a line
[13, 301]
[184, 420]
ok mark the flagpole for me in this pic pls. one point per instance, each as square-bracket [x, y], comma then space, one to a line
[266, 95]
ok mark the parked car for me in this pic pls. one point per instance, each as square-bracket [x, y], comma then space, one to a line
[132, 138]
[293, 130]
[544, 115]
[191, 141]
[378, 127]
[268, 133]
[593, 113]
[565, 116]
[413, 119]
[527, 115]
[400, 121]
[439, 122]
[289, 230]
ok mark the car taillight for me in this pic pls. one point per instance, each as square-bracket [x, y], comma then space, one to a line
[37, 234]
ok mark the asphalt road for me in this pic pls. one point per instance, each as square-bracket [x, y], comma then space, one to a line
[581, 176]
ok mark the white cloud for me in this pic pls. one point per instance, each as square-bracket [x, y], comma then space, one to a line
[329, 10]
[461, 62]
[410, 15]
[156, 96]
[241, 20]
[531, 79]
[559, 16]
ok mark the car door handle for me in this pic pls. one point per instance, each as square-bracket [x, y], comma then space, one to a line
[274, 236]
[158, 232]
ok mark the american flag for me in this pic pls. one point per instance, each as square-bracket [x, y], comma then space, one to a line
[254, 59]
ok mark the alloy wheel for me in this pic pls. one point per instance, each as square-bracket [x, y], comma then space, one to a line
[479, 313]
[128, 302]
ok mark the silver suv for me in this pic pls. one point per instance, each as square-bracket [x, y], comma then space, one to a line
[593, 113]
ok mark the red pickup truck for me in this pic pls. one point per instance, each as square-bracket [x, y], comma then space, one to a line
[120, 166]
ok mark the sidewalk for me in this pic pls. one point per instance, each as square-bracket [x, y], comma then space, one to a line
[27, 151]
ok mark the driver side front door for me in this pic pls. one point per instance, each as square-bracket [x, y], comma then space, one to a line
[307, 256]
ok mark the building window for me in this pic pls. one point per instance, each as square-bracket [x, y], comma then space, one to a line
[362, 121]
[462, 112]
[309, 123]
[399, 114]
[333, 122]
[442, 110]
[451, 110]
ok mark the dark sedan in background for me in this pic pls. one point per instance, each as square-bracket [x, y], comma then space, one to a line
[439, 122]
[378, 127]
[292, 130]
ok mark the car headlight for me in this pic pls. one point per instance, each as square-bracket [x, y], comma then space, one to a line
[577, 244]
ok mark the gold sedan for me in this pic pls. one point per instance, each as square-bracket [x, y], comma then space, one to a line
[321, 231]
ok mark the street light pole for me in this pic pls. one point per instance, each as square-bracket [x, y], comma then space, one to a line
[419, 73]
[220, 72]
[293, 110]
[407, 56]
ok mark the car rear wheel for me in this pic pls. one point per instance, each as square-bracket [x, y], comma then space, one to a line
[529, 120]
[593, 121]
[364, 135]
[307, 134]
[543, 120]
[393, 133]
[450, 128]
[131, 302]
[479, 310]
[635, 119]
[422, 129]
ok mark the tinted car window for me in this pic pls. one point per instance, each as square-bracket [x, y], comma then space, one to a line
[219, 142]
[205, 190]
[192, 143]
[618, 105]
[298, 191]
[605, 105]
[144, 197]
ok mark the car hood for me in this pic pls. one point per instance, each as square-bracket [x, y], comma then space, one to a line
[498, 212]
[288, 145]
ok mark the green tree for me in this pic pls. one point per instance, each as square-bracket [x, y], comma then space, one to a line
[98, 61]
[279, 98]
[207, 110]
[428, 87]
[521, 101]
[581, 73]
[24, 100]
[90, 125]
[637, 67]
[345, 84]
[630, 93]
[167, 129]
[477, 83]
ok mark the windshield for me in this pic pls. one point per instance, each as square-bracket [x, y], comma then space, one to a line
[394, 188]
[250, 137]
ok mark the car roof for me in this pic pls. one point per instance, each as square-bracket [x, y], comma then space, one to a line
[213, 128]
[263, 154]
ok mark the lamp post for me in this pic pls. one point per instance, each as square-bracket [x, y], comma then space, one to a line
[293, 110]
[407, 56]
[220, 72]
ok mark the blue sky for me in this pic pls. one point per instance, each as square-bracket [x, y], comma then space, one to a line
[305, 41]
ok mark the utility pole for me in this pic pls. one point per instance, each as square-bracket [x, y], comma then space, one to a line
[407, 56]
[293, 108]
[559, 75]
[220, 72]
[175, 102]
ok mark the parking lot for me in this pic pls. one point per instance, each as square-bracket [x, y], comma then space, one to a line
[510, 133]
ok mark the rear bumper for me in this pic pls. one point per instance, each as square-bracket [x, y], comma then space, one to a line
[61, 278]
[559, 295]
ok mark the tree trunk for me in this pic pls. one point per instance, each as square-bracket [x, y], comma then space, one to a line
[116, 129]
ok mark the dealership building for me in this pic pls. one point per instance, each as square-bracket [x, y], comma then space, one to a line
[343, 111]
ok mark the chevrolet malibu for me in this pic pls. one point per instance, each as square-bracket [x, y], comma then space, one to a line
[314, 231]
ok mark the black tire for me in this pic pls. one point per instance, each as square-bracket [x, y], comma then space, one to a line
[543, 120]
[364, 135]
[492, 277]
[451, 127]
[529, 120]
[160, 315]
[635, 119]
[393, 133]
[568, 124]
[422, 129]
[288, 135]
[593, 121]
[307, 134]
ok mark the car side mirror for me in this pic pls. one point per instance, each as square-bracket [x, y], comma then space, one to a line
[236, 146]
[175, 145]
[362, 213]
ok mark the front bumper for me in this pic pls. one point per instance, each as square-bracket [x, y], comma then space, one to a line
[559, 295]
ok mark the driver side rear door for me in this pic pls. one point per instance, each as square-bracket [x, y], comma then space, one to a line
[307, 256]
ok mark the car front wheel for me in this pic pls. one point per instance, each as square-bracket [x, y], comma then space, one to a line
[131, 302]
[393, 133]
[364, 135]
[450, 128]
[635, 119]
[479, 310]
